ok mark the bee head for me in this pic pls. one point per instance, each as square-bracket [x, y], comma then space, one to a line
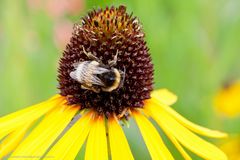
[108, 78]
[111, 79]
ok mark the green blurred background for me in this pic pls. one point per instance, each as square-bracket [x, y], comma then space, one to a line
[195, 46]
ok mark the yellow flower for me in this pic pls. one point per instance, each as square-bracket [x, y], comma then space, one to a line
[232, 148]
[105, 77]
[227, 101]
[92, 127]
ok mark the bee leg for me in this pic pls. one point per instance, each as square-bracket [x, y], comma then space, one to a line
[92, 88]
[114, 61]
[90, 55]
[96, 90]
[123, 113]
[86, 87]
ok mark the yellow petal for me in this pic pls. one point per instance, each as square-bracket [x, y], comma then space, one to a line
[12, 121]
[154, 143]
[118, 143]
[97, 141]
[164, 96]
[36, 144]
[184, 136]
[2, 135]
[178, 146]
[70, 144]
[12, 140]
[193, 127]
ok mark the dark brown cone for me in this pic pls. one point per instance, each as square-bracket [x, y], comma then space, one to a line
[102, 33]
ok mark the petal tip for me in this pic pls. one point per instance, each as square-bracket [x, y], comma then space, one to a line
[165, 96]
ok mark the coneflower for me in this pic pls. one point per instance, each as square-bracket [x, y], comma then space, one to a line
[105, 77]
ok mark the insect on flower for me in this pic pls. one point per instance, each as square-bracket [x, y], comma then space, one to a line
[105, 77]
[94, 75]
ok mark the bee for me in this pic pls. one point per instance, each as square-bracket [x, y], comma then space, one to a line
[95, 76]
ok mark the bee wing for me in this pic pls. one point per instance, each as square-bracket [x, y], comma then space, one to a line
[78, 73]
[95, 79]
[100, 70]
[86, 72]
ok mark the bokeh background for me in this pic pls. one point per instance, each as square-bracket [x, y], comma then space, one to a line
[195, 47]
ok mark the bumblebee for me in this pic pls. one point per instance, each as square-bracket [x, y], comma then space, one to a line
[96, 76]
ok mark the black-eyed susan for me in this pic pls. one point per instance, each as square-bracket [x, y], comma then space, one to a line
[105, 76]
[227, 100]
